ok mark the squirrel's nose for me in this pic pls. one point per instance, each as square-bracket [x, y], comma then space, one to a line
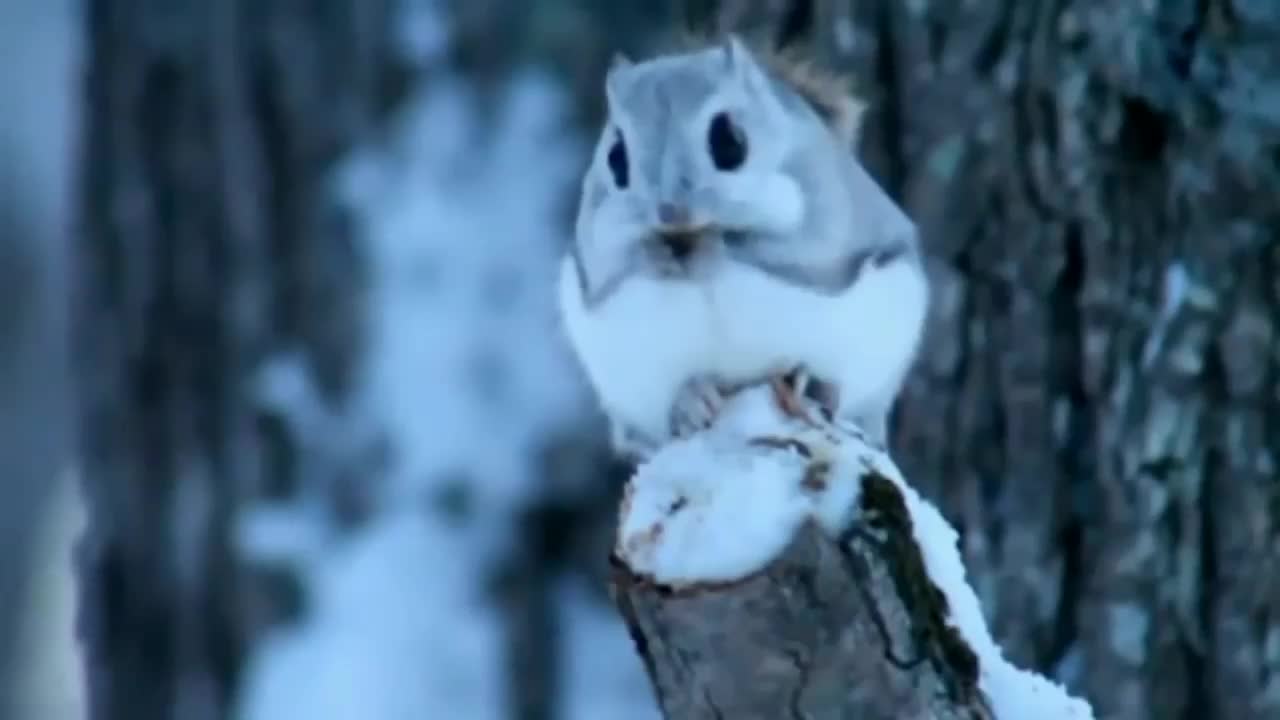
[673, 214]
[677, 231]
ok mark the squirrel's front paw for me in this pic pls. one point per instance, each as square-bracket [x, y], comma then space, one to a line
[697, 404]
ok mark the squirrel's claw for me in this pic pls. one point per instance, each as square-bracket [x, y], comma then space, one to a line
[697, 405]
[791, 389]
[789, 392]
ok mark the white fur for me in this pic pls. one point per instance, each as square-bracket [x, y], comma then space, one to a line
[651, 335]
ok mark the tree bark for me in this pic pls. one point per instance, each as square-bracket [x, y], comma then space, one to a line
[1097, 406]
[825, 631]
[209, 249]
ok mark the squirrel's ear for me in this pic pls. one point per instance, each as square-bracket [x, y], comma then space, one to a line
[741, 64]
[738, 59]
[618, 65]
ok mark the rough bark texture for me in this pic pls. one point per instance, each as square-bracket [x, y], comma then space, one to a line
[208, 249]
[1112, 464]
[831, 628]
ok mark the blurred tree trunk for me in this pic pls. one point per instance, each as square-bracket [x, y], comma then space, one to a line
[1101, 389]
[208, 248]
[1111, 462]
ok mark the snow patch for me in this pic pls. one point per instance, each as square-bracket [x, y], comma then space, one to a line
[683, 525]
[1014, 693]
[721, 504]
[459, 209]
[395, 631]
[465, 239]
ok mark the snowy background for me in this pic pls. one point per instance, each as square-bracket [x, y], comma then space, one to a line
[468, 376]
[460, 208]
[1096, 413]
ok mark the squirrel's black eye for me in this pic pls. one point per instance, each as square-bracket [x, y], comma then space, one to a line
[726, 142]
[618, 161]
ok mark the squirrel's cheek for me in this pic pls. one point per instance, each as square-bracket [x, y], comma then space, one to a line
[763, 202]
[779, 202]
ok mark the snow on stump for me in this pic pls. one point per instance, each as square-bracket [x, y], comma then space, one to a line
[767, 568]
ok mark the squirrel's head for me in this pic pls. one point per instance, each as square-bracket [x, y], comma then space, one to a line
[710, 148]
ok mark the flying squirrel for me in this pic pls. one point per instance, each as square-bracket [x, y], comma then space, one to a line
[726, 236]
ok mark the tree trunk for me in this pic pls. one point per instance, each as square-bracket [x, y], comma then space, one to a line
[1098, 404]
[820, 633]
[209, 250]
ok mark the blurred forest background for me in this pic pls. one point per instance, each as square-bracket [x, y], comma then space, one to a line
[276, 283]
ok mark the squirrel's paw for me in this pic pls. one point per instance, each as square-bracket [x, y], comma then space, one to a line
[697, 404]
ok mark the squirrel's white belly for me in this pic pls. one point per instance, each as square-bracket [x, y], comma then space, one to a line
[639, 345]
[863, 339]
[650, 336]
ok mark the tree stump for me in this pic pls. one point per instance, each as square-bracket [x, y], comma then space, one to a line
[769, 569]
